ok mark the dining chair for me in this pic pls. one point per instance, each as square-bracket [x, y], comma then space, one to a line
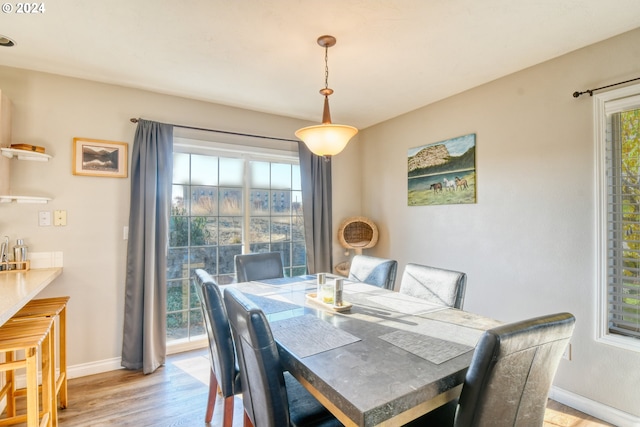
[436, 285]
[511, 372]
[271, 397]
[259, 266]
[380, 272]
[224, 373]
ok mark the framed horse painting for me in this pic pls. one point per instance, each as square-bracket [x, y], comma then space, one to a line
[443, 173]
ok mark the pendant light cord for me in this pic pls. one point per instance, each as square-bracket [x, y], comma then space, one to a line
[326, 67]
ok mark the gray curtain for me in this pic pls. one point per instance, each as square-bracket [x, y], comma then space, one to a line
[145, 324]
[315, 174]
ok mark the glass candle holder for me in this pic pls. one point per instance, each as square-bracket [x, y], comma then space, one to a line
[327, 293]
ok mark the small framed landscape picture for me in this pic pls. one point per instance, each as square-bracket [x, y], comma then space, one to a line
[94, 157]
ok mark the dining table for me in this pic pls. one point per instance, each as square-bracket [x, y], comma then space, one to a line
[381, 359]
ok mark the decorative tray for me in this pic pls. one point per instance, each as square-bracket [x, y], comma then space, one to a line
[346, 306]
[24, 154]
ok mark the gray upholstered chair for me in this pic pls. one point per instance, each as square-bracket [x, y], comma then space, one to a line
[508, 381]
[271, 397]
[224, 372]
[374, 271]
[436, 285]
[259, 266]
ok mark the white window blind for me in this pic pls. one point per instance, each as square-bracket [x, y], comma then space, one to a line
[617, 115]
[623, 217]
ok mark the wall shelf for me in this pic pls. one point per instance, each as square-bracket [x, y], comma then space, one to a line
[8, 153]
[23, 199]
[12, 153]
[24, 155]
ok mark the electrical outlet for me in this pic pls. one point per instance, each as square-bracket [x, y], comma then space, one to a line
[567, 352]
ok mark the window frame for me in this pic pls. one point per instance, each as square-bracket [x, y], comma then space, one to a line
[248, 153]
[606, 103]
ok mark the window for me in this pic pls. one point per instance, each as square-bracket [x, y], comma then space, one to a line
[617, 130]
[226, 203]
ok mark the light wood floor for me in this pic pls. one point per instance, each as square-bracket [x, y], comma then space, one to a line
[176, 395]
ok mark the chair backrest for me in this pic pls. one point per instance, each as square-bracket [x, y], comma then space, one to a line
[511, 372]
[374, 271]
[259, 266]
[436, 285]
[221, 350]
[264, 393]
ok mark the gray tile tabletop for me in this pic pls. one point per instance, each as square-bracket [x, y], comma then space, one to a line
[380, 360]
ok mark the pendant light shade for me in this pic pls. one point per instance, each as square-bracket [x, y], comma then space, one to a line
[326, 139]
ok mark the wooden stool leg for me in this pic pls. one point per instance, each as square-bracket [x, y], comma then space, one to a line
[33, 416]
[49, 401]
[10, 379]
[61, 386]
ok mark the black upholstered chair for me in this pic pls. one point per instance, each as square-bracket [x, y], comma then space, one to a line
[436, 285]
[271, 397]
[374, 271]
[512, 369]
[259, 266]
[224, 371]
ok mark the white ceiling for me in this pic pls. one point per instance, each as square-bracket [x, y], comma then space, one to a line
[392, 56]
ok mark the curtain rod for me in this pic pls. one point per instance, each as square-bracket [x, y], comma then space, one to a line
[227, 132]
[590, 91]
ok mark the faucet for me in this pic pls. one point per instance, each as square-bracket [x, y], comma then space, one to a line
[4, 254]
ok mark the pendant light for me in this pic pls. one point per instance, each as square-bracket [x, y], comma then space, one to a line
[326, 139]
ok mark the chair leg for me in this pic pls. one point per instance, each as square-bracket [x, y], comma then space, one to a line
[228, 412]
[247, 422]
[213, 393]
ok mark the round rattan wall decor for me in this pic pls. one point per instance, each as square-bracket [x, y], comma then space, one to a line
[358, 233]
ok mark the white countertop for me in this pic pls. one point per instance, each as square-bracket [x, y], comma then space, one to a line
[17, 289]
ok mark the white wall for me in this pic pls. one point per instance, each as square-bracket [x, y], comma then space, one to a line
[346, 178]
[528, 244]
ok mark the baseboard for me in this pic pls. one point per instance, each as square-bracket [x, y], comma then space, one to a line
[92, 368]
[593, 408]
[113, 364]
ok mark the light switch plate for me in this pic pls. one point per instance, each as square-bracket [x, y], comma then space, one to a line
[44, 218]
